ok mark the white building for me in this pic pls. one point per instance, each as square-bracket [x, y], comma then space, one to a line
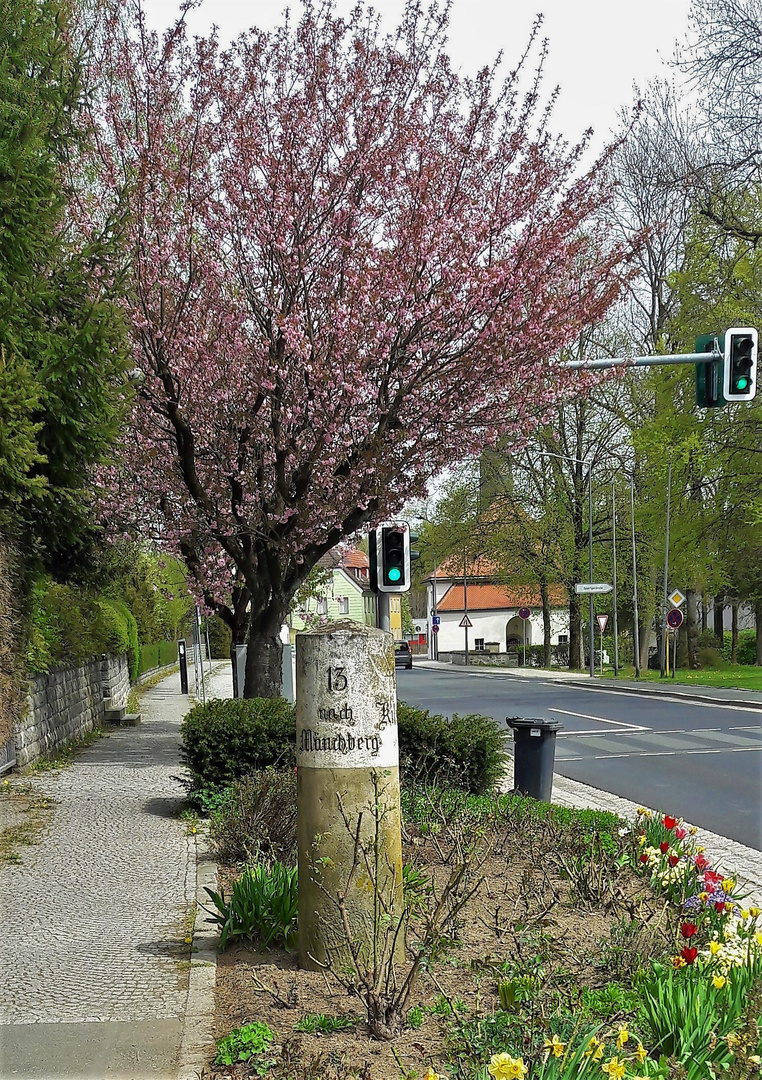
[493, 610]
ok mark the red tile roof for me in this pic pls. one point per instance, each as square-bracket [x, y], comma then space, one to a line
[353, 559]
[453, 568]
[499, 597]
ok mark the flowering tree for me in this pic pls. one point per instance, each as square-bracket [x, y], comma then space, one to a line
[347, 267]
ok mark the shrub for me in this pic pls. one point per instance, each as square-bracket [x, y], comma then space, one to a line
[157, 654]
[224, 740]
[263, 906]
[256, 818]
[467, 752]
[747, 647]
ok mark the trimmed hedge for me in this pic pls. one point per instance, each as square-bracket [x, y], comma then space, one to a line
[157, 654]
[226, 739]
[466, 752]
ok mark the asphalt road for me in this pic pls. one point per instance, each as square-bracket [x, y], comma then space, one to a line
[697, 760]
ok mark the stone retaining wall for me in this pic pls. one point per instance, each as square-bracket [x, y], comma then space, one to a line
[67, 703]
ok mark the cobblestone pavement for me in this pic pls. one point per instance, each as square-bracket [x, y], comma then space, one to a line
[93, 918]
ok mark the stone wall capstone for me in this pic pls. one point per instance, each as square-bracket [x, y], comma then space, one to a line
[67, 703]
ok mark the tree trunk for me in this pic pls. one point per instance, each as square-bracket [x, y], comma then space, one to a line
[734, 632]
[546, 647]
[264, 653]
[758, 627]
[575, 631]
[718, 610]
[704, 612]
[692, 628]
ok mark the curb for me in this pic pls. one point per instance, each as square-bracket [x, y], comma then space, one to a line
[198, 1023]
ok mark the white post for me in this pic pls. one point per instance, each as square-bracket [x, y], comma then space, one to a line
[348, 801]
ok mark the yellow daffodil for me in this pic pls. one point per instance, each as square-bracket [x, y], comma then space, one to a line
[700, 850]
[641, 840]
[594, 1049]
[703, 897]
[728, 884]
[745, 913]
[718, 981]
[641, 810]
[640, 1054]
[693, 830]
[758, 938]
[678, 961]
[622, 1037]
[430, 1074]
[754, 912]
[505, 1067]
[614, 1068]
[554, 1046]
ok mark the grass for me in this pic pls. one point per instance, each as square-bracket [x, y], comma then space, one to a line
[34, 810]
[65, 755]
[136, 692]
[737, 676]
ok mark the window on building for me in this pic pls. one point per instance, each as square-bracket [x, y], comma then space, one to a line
[479, 644]
[343, 602]
[563, 639]
[322, 607]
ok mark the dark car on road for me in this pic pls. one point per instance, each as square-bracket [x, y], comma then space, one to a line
[402, 655]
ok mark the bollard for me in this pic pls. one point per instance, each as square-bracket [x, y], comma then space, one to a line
[183, 666]
[348, 799]
[534, 752]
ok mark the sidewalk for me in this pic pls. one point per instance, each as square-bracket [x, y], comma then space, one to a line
[582, 680]
[94, 965]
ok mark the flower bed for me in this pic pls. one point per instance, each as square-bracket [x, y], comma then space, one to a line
[589, 947]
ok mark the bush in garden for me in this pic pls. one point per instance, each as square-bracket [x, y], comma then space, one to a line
[466, 752]
[227, 739]
[256, 818]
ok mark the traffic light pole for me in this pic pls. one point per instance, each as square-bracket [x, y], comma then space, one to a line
[642, 361]
[383, 620]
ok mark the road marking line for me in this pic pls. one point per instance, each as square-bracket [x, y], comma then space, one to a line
[670, 753]
[603, 720]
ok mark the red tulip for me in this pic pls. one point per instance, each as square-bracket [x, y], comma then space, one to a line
[711, 877]
[673, 860]
[701, 862]
[719, 906]
[688, 929]
[669, 822]
[664, 847]
[680, 833]
[644, 858]
[689, 954]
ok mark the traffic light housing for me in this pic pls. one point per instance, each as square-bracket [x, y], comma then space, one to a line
[709, 375]
[740, 367]
[389, 554]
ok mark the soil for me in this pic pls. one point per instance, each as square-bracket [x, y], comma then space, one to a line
[527, 911]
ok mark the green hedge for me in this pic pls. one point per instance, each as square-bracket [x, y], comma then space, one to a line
[157, 654]
[226, 739]
[466, 752]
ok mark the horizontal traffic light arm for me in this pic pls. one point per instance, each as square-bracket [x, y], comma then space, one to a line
[644, 361]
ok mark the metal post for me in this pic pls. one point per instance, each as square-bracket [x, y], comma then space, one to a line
[524, 628]
[208, 647]
[635, 617]
[199, 640]
[590, 547]
[613, 538]
[465, 603]
[383, 619]
[664, 656]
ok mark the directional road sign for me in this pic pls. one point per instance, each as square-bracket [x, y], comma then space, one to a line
[465, 621]
[676, 599]
[524, 612]
[675, 618]
[593, 587]
[435, 620]
[602, 621]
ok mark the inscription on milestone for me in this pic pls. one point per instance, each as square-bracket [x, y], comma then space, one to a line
[347, 736]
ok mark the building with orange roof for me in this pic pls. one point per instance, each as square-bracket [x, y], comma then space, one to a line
[492, 608]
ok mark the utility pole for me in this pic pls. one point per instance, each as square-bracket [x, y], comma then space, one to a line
[664, 657]
[613, 540]
[465, 603]
[635, 617]
[590, 554]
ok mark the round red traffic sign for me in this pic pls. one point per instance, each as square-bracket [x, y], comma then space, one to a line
[675, 618]
[524, 612]
[435, 629]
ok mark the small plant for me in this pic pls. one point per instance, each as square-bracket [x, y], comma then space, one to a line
[243, 1043]
[319, 1022]
[263, 906]
[416, 886]
[255, 820]
[414, 1018]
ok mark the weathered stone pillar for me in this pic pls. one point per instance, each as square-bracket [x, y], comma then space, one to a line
[348, 823]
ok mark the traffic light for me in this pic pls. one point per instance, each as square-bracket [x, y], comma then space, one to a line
[740, 369]
[709, 375]
[389, 552]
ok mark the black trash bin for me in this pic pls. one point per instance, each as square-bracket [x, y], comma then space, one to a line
[534, 752]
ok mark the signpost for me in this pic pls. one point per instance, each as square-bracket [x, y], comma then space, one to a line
[524, 614]
[674, 621]
[584, 587]
[602, 621]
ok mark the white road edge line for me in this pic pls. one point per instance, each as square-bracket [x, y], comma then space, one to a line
[603, 720]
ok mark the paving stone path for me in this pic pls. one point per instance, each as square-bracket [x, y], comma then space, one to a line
[93, 964]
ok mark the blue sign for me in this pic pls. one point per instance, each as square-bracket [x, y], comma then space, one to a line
[435, 620]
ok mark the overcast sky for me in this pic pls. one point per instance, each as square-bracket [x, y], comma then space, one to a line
[598, 48]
